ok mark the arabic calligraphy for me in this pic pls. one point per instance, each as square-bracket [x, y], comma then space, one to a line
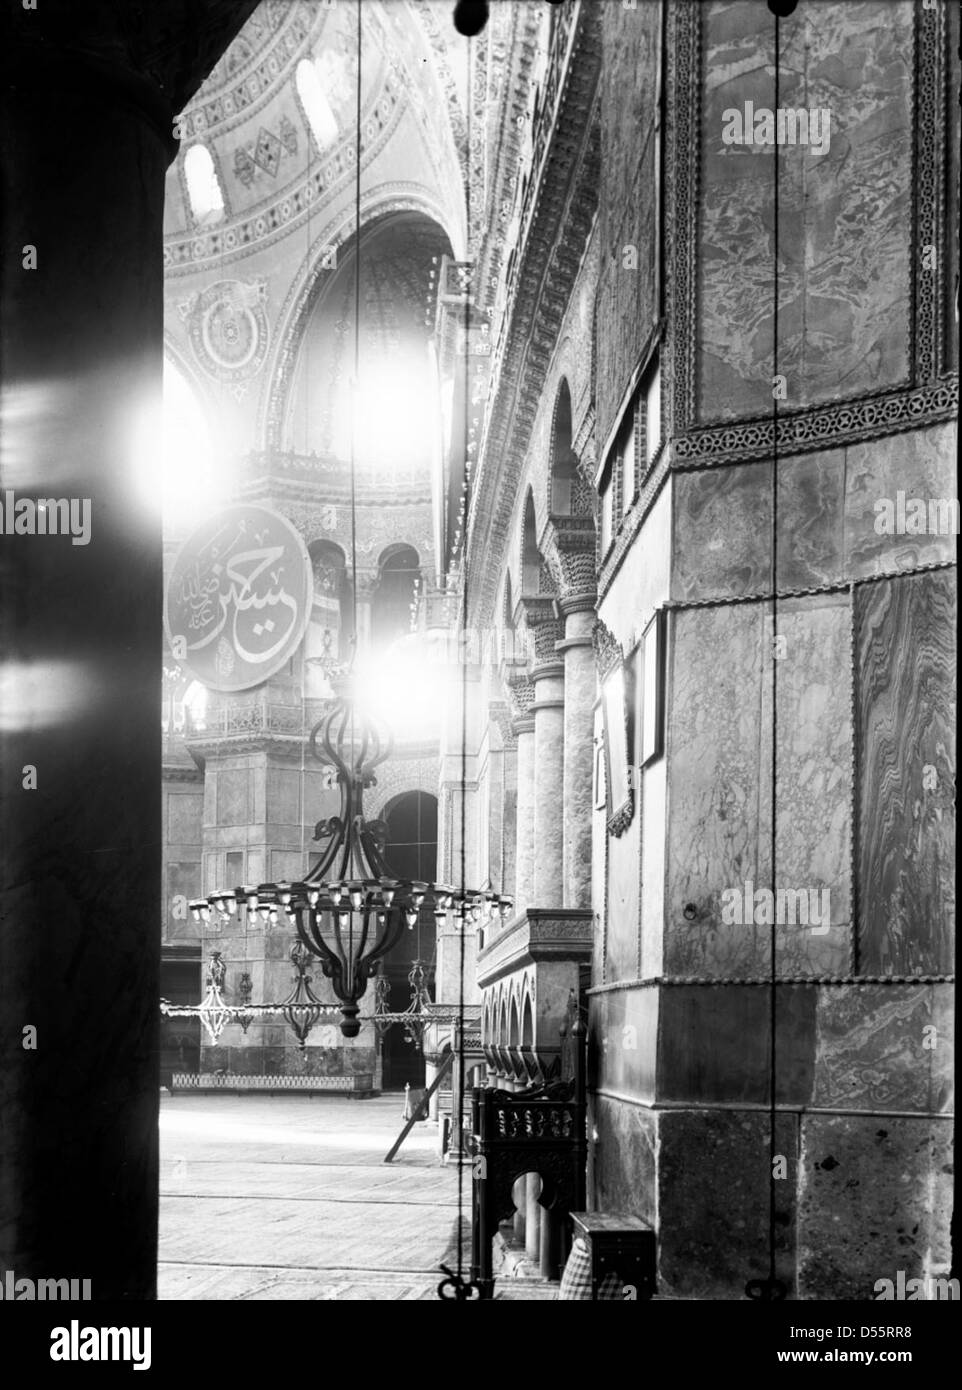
[238, 598]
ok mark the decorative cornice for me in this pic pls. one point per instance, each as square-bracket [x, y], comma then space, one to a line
[538, 936]
[563, 197]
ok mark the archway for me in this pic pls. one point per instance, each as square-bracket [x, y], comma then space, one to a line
[398, 569]
[411, 851]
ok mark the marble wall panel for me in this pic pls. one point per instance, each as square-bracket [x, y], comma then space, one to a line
[284, 796]
[653, 831]
[814, 781]
[183, 883]
[722, 532]
[233, 798]
[185, 811]
[844, 214]
[884, 1047]
[623, 1034]
[622, 1157]
[715, 1044]
[920, 464]
[622, 904]
[716, 811]
[875, 1197]
[905, 660]
[627, 307]
[811, 529]
[713, 1201]
[287, 865]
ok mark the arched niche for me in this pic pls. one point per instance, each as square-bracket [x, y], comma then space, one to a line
[564, 460]
[396, 417]
[399, 567]
[329, 631]
[530, 554]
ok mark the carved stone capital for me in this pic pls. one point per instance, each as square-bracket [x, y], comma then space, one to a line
[569, 545]
[545, 624]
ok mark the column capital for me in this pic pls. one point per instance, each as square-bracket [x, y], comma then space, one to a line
[548, 670]
[584, 602]
[544, 622]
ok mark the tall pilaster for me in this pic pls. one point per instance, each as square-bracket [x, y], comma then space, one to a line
[89, 94]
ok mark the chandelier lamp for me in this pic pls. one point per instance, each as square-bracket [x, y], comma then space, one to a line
[350, 911]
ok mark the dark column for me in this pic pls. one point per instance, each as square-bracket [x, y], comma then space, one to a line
[86, 146]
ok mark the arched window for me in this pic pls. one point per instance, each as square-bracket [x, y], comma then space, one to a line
[411, 851]
[316, 106]
[564, 460]
[329, 630]
[203, 186]
[391, 611]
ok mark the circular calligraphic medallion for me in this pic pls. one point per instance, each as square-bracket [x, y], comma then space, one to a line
[228, 328]
[239, 598]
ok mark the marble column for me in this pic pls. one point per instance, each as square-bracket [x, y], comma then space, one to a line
[548, 707]
[580, 690]
[88, 101]
[523, 729]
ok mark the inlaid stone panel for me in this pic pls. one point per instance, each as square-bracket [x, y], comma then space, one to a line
[714, 1181]
[844, 222]
[717, 790]
[722, 532]
[875, 1197]
[622, 1158]
[884, 1047]
[905, 654]
[813, 808]
[811, 521]
[885, 481]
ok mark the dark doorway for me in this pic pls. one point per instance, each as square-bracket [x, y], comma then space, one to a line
[180, 983]
[411, 851]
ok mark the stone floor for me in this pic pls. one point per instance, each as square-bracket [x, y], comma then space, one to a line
[288, 1197]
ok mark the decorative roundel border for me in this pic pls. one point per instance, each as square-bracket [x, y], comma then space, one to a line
[228, 328]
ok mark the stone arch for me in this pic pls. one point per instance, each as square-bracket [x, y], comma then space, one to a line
[502, 1037]
[333, 243]
[398, 566]
[397, 776]
[514, 1035]
[537, 578]
[527, 1021]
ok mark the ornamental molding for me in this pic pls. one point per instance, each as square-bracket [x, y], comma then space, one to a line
[326, 179]
[229, 98]
[228, 328]
[608, 653]
[537, 937]
[562, 210]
